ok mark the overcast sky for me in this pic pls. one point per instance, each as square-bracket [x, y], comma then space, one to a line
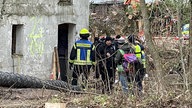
[96, 1]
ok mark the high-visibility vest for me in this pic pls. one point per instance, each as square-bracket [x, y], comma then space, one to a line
[137, 51]
[83, 55]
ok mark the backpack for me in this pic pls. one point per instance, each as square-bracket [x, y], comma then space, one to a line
[129, 59]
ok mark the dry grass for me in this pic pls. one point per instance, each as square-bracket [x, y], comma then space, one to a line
[173, 97]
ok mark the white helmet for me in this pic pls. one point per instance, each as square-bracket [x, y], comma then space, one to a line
[121, 40]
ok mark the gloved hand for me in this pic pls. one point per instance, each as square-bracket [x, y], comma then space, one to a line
[70, 66]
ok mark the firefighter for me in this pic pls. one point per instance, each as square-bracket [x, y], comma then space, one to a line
[82, 57]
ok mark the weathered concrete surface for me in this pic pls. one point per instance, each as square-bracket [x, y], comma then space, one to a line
[39, 35]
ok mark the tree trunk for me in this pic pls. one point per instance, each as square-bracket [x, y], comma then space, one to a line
[179, 5]
[152, 49]
[190, 45]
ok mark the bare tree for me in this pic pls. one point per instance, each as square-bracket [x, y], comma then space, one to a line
[179, 22]
[190, 44]
[151, 47]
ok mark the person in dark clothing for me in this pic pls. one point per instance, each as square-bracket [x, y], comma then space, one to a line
[106, 64]
[138, 65]
[97, 42]
[102, 40]
[115, 42]
[82, 56]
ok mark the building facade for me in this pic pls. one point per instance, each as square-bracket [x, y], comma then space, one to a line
[30, 29]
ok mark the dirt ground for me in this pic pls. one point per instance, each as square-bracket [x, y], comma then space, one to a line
[37, 98]
[22, 98]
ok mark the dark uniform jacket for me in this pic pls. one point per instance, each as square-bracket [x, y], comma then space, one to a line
[82, 53]
[103, 49]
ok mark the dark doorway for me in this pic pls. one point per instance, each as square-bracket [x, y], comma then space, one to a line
[17, 39]
[63, 31]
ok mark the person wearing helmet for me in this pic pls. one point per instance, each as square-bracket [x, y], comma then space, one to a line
[82, 57]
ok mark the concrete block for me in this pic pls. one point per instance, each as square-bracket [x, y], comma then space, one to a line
[55, 105]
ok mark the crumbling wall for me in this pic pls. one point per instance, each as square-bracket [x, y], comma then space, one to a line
[39, 20]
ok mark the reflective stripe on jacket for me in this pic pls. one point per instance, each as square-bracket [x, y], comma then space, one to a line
[143, 59]
[83, 54]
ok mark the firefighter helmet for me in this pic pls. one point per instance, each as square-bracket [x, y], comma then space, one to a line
[84, 31]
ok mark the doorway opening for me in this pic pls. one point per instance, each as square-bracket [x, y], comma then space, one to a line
[17, 40]
[63, 32]
[17, 46]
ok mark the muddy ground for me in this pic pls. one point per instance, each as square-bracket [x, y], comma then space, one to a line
[37, 98]
[25, 97]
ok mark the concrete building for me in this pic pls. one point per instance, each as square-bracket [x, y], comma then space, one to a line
[30, 29]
